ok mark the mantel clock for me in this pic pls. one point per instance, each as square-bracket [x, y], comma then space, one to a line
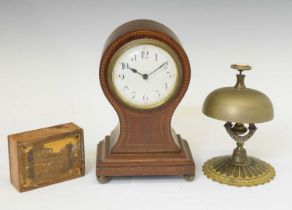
[144, 73]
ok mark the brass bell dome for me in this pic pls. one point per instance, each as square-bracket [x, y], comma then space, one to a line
[238, 103]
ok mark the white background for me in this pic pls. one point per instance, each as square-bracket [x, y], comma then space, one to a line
[49, 58]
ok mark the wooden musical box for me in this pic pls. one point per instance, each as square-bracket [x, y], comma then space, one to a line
[46, 156]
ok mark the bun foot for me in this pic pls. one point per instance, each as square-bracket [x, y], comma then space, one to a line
[103, 179]
[189, 178]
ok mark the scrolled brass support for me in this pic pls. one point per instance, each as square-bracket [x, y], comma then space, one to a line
[240, 139]
[240, 134]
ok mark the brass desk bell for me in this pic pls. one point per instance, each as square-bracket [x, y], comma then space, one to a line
[238, 106]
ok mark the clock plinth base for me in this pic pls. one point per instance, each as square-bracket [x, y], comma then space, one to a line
[144, 164]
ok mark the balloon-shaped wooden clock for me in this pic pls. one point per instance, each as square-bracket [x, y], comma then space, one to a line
[144, 73]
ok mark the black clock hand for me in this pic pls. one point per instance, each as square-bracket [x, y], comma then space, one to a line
[145, 76]
[157, 68]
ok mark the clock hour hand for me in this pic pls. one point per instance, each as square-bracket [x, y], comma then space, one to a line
[157, 68]
[145, 76]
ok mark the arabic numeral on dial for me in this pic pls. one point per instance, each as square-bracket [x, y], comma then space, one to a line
[121, 76]
[145, 98]
[134, 94]
[165, 65]
[166, 86]
[145, 54]
[134, 58]
[158, 93]
[156, 57]
[124, 66]
[169, 74]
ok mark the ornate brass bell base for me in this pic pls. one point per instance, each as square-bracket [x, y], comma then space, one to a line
[239, 169]
[251, 172]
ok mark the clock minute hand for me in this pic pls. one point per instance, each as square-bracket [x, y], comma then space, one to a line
[157, 69]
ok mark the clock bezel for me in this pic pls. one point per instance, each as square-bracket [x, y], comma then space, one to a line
[134, 43]
[133, 31]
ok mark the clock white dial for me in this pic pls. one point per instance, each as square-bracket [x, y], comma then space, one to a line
[145, 75]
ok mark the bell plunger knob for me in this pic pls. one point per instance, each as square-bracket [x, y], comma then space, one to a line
[241, 67]
[240, 77]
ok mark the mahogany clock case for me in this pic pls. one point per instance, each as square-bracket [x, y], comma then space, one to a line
[143, 143]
